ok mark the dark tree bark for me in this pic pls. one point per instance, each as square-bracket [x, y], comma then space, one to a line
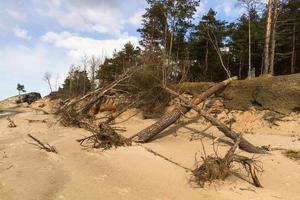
[293, 61]
[273, 37]
[206, 58]
[243, 144]
[169, 118]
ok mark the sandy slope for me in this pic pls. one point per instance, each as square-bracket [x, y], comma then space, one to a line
[130, 172]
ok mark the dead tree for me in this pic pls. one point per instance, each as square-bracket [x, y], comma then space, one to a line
[47, 79]
[171, 117]
[243, 144]
[93, 97]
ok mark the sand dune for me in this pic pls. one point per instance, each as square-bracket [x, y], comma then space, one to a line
[29, 173]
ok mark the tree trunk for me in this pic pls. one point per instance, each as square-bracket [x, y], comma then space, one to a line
[243, 144]
[169, 118]
[84, 84]
[49, 83]
[206, 58]
[273, 37]
[240, 66]
[267, 38]
[249, 47]
[293, 61]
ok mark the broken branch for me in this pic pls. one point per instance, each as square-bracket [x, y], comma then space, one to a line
[47, 147]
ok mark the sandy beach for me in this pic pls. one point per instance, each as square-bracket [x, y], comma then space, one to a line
[29, 173]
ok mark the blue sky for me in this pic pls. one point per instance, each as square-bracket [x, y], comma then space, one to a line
[38, 36]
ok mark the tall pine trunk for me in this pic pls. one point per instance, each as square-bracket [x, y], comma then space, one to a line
[267, 38]
[293, 61]
[240, 65]
[273, 37]
[206, 58]
[249, 48]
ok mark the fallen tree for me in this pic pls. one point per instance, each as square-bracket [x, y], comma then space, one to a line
[169, 118]
[243, 144]
[87, 101]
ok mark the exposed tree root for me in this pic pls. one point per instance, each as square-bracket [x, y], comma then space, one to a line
[104, 137]
[69, 117]
[215, 168]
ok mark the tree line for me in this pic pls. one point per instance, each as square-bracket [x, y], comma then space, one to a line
[174, 47]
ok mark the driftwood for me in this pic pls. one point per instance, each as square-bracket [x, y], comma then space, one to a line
[36, 121]
[214, 168]
[171, 117]
[47, 147]
[11, 123]
[243, 144]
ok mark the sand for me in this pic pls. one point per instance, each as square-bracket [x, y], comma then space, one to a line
[76, 173]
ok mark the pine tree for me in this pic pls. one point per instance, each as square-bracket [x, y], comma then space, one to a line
[76, 83]
[240, 41]
[166, 23]
[288, 33]
[202, 51]
[118, 64]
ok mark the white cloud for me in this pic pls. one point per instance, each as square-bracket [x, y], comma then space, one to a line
[225, 8]
[136, 18]
[91, 15]
[27, 65]
[78, 46]
[22, 59]
[21, 33]
[16, 15]
[201, 9]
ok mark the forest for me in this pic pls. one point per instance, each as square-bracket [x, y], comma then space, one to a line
[178, 46]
